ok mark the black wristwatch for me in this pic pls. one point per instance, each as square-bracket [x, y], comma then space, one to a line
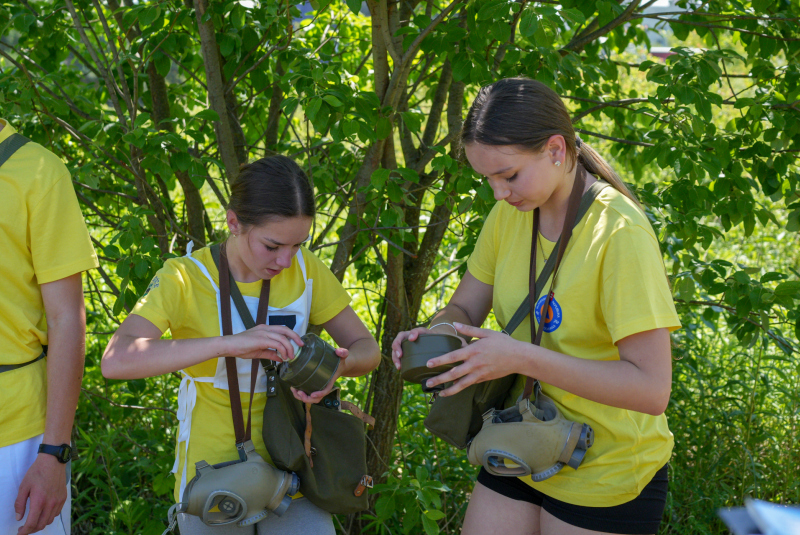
[63, 452]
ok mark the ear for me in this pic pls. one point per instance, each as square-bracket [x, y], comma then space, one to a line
[556, 148]
[233, 222]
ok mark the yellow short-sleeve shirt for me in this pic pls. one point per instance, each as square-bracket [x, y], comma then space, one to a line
[611, 284]
[43, 238]
[181, 299]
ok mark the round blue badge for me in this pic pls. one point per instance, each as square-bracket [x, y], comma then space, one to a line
[552, 319]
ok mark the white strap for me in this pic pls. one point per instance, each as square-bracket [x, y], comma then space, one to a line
[203, 269]
[302, 263]
[187, 399]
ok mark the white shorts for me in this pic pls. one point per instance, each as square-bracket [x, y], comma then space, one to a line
[15, 460]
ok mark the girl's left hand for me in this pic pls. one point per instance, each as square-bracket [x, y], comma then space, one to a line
[316, 397]
[491, 355]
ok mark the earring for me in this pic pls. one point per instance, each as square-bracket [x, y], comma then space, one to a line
[558, 164]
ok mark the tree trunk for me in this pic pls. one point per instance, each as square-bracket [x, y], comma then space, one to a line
[271, 136]
[216, 91]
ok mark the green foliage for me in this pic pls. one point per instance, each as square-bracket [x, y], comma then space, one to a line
[708, 138]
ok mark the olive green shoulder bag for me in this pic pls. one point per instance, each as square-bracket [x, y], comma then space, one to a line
[458, 418]
[322, 444]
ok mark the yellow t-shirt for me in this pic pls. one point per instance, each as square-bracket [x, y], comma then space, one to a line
[180, 298]
[611, 284]
[43, 238]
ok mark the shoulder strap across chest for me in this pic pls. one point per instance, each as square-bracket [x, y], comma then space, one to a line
[230, 291]
[525, 307]
[11, 144]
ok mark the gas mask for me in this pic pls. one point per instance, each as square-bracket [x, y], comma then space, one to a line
[313, 366]
[241, 492]
[531, 438]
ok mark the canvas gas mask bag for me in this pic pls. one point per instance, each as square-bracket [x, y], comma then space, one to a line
[329, 456]
[531, 437]
[241, 491]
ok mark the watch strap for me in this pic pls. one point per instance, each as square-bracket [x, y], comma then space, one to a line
[63, 452]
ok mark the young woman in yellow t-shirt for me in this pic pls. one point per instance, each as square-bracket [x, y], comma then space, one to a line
[605, 354]
[270, 215]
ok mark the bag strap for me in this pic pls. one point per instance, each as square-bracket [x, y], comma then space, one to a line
[238, 300]
[228, 289]
[578, 185]
[525, 307]
[10, 145]
[570, 220]
[11, 367]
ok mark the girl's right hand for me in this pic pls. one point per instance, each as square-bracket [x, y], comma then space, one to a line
[270, 342]
[412, 335]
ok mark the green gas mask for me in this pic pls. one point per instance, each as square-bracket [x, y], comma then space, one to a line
[240, 492]
[530, 438]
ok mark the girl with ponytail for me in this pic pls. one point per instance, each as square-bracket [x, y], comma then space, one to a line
[269, 217]
[604, 352]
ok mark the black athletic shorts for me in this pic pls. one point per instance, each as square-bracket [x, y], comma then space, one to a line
[639, 516]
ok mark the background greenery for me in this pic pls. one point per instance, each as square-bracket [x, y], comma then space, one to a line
[153, 105]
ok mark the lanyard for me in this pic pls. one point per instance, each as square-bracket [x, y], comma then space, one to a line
[566, 233]
[225, 281]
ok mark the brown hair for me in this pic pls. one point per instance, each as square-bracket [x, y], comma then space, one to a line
[271, 188]
[526, 113]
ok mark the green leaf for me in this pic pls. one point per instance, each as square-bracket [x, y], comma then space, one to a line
[383, 128]
[749, 224]
[793, 221]
[412, 121]
[333, 101]
[350, 127]
[226, 45]
[462, 66]
[141, 268]
[434, 514]
[148, 15]
[409, 174]
[573, 15]
[289, 105]
[686, 288]
[181, 161]
[118, 304]
[772, 276]
[788, 288]
[492, 10]
[207, 115]
[422, 475]
[238, 16]
[385, 507]
[313, 107]
[797, 325]
[355, 6]
[141, 119]
[147, 244]
[431, 527]
[379, 178]
[163, 63]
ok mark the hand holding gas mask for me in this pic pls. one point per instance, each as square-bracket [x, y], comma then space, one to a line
[269, 342]
[312, 374]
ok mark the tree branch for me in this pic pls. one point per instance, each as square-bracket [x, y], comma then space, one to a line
[579, 42]
[617, 139]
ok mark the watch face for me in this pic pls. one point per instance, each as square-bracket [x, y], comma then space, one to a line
[65, 453]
